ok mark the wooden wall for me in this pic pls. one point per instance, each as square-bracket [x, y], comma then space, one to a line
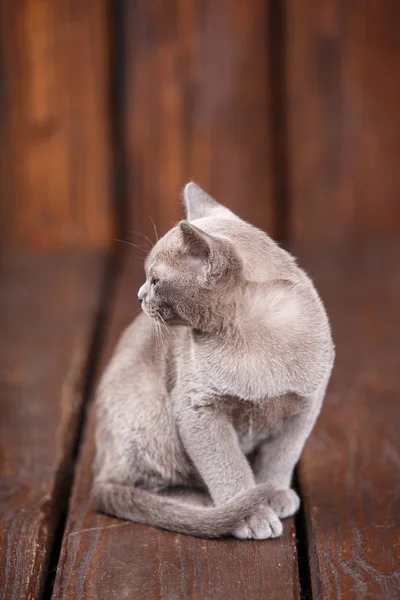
[197, 107]
[343, 99]
[55, 140]
[286, 111]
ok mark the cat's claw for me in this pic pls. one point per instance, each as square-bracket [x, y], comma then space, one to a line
[261, 525]
[284, 503]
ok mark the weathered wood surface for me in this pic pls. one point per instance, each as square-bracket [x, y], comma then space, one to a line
[47, 312]
[54, 143]
[343, 153]
[104, 558]
[350, 469]
[197, 108]
[343, 89]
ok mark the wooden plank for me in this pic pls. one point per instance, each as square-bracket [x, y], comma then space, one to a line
[47, 311]
[350, 469]
[343, 60]
[197, 108]
[54, 147]
[103, 557]
[343, 98]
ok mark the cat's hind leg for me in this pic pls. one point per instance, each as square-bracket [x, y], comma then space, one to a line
[277, 457]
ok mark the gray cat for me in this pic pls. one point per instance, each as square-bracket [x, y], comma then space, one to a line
[200, 427]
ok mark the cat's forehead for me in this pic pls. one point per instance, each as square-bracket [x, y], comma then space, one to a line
[159, 268]
[163, 254]
[161, 263]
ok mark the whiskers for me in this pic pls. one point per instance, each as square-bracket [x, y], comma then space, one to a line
[164, 325]
[147, 245]
[142, 248]
[162, 333]
[155, 228]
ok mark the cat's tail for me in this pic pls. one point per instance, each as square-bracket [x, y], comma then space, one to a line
[172, 513]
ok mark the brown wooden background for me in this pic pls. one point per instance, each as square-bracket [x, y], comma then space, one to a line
[287, 111]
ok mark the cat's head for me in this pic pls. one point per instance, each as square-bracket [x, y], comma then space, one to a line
[194, 267]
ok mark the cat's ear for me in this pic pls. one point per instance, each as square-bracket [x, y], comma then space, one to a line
[204, 250]
[199, 204]
[198, 243]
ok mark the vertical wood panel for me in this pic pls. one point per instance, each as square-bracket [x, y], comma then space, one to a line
[55, 141]
[197, 107]
[344, 154]
[48, 308]
[349, 470]
[343, 99]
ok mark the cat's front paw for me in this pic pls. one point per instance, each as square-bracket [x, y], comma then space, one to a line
[261, 525]
[284, 503]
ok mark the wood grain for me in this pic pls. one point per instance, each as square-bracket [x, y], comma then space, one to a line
[103, 557]
[343, 99]
[47, 310]
[343, 60]
[350, 469]
[54, 148]
[197, 108]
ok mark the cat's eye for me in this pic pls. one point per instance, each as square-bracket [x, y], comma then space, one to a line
[154, 281]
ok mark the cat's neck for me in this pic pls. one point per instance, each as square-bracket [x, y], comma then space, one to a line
[224, 320]
[220, 320]
[245, 316]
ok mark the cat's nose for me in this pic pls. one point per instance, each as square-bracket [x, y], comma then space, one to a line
[142, 293]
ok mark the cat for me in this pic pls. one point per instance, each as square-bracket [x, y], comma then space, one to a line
[200, 432]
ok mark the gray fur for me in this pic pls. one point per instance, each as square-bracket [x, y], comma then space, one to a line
[225, 395]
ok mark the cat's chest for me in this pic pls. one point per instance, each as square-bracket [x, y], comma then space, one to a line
[240, 372]
[255, 423]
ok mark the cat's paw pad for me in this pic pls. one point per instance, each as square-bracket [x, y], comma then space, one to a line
[261, 525]
[284, 503]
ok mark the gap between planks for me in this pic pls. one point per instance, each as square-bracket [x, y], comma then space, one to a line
[64, 487]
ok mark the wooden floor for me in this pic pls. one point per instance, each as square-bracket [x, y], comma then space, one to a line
[60, 317]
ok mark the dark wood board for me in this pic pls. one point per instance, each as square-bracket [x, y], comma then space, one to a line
[350, 469]
[197, 107]
[343, 98]
[48, 306]
[104, 558]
